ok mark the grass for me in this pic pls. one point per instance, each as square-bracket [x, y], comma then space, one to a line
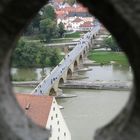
[61, 40]
[105, 57]
[55, 40]
[73, 35]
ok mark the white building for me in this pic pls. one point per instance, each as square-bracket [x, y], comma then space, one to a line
[76, 24]
[44, 111]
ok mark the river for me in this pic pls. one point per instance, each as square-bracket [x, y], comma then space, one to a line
[91, 109]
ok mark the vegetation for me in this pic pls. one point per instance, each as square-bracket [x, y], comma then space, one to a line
[30, 51]
[48, 12]
[112, 44]
[61, 29]
[44, 25]
[61, 40]
[71, 2]
[29, 54]
[105, 57]
[73, 35]
[47, 29]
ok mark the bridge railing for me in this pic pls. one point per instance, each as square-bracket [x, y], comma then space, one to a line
[58, 71]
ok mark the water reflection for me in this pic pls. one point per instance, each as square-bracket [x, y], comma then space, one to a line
[109, 73]
[29, 74]
[23, 74]
[105, 72]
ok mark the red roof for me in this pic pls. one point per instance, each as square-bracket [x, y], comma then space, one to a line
[80, 8]
[36, 107]
[77, 20]
[87, 24]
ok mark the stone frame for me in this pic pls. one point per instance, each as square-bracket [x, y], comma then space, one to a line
[120, 17]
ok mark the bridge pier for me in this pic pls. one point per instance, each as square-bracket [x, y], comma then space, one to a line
[66, 50]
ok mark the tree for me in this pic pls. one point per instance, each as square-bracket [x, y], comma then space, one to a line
[34, 55]
[36, 21]
[61, 29]
[25, 54]
[49, 12]
[47, 29]
[111, 43]
[30, 29]
[55, 57]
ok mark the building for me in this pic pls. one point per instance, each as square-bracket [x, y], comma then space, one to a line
[45, 112]
[74, 17]
[86, 26]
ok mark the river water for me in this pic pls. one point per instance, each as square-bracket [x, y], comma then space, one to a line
[91, 109]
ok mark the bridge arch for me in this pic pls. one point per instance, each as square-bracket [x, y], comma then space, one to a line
[75, 64]
[81, 58]
[52, 92]
[94, 36]
[84, 52]
[61, 81]
[87, 48]
[69, 73]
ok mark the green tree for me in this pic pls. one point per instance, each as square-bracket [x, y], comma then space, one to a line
[110, 42]
[61, 29]
[36, 21]
[55, 57]
[47, 29]
[49, 12]
[35, 24]
[25, 54]
[34, 55]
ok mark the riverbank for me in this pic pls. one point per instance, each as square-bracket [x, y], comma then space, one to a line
[100, 85]
[108, 57]
[76, 84]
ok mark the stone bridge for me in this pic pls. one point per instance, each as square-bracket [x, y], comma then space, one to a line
[64, 70]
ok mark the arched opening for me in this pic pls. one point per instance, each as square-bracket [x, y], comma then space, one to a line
[69, 73]
[117, 32]
[84, 52]
[75, 64]
[81, 59]
[87, 48]
[61, 81]
[94, 37]
[52, 92]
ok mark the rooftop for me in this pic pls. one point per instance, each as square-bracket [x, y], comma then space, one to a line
[36, 107]
[77, 20]
[87, 24]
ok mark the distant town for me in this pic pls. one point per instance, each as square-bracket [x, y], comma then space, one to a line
[74, 17]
